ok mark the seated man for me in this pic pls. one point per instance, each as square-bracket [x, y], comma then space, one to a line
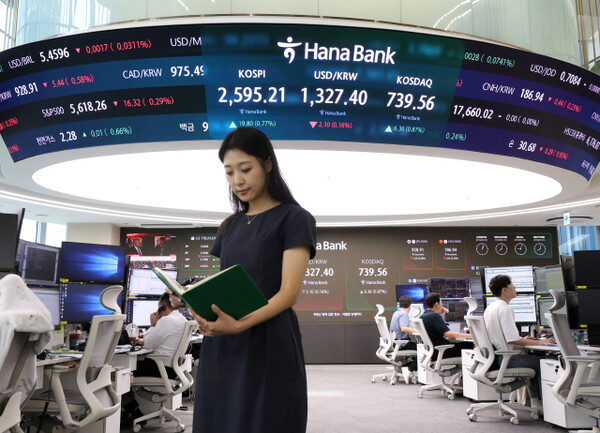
[163, 337]
[400, 326]
[502, 328]
[438, 330]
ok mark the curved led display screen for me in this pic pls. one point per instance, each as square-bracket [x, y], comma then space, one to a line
[297, 82]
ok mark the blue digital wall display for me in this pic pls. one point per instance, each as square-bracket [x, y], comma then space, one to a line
[297, 82]
[92, 263]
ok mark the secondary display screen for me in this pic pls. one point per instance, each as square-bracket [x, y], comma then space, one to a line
[39, 264]
[586, 268]
[449, 287]
[549, 278]
[92, 263]
[51, 300]
[298, 81]
[522, 305]
[139, 311]
[457, 310]
[543, 306]
[9, 239]
[81, 302]
[143, 282]
[416, 292]
[521, 277]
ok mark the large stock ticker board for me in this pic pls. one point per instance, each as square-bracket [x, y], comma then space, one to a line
[297, 82]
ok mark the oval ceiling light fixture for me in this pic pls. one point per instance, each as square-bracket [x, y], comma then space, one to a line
[326, 182]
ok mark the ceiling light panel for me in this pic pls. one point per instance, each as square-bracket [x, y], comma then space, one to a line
[328, 183]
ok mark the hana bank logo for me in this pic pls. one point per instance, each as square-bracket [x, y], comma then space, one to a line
[289, 52]
[357, 53]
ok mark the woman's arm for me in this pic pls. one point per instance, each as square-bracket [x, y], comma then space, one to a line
[293, 269]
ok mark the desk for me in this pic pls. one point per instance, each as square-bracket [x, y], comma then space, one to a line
[124, 362]
[554, 411]
[550, 371]
[584, 348]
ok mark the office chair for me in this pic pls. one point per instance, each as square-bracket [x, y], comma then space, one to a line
[485, 371]
[441, 367]
[25, 329]
[415, 311]
[390, 349]
[571, 389]
[109, 298]
[83, 394]
[160, 389]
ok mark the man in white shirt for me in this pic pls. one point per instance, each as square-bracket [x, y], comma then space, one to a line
[502, 329]
[163, 337]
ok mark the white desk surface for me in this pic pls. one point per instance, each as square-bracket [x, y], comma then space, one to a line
[59, 357]
[554, 348]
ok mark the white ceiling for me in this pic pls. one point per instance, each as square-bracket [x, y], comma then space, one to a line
[354, 184]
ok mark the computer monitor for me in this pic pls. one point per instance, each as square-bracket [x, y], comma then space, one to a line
[543, 306]
[39, 264]
[19, 255]
[80, 302]
[568, 267]
[587, 263]
[139, 311]
[449, 288]
[588, 302]
[540, 280]
[521, 277]
[51, 299]
[522, 305]
[457, 310]
[549, 278]
[81, 262]
[9, 240]
[416, 292]
[149, 262]
[143, 282]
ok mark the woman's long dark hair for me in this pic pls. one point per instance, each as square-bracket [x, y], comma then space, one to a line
[257, 144]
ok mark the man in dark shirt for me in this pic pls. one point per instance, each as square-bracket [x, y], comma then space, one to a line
[438, 330]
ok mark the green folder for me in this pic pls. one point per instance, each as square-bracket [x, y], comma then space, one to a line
[232, 290]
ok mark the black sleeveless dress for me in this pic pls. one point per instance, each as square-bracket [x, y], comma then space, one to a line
[255, 382]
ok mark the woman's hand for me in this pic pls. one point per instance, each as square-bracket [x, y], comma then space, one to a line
[175, 300]
[224, 325]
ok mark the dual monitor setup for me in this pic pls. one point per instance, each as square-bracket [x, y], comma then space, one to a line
[576, 277]
[70, 279]
[451, 291]
[144, 290]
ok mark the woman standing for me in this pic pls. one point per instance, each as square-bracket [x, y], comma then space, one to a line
[251, 377]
